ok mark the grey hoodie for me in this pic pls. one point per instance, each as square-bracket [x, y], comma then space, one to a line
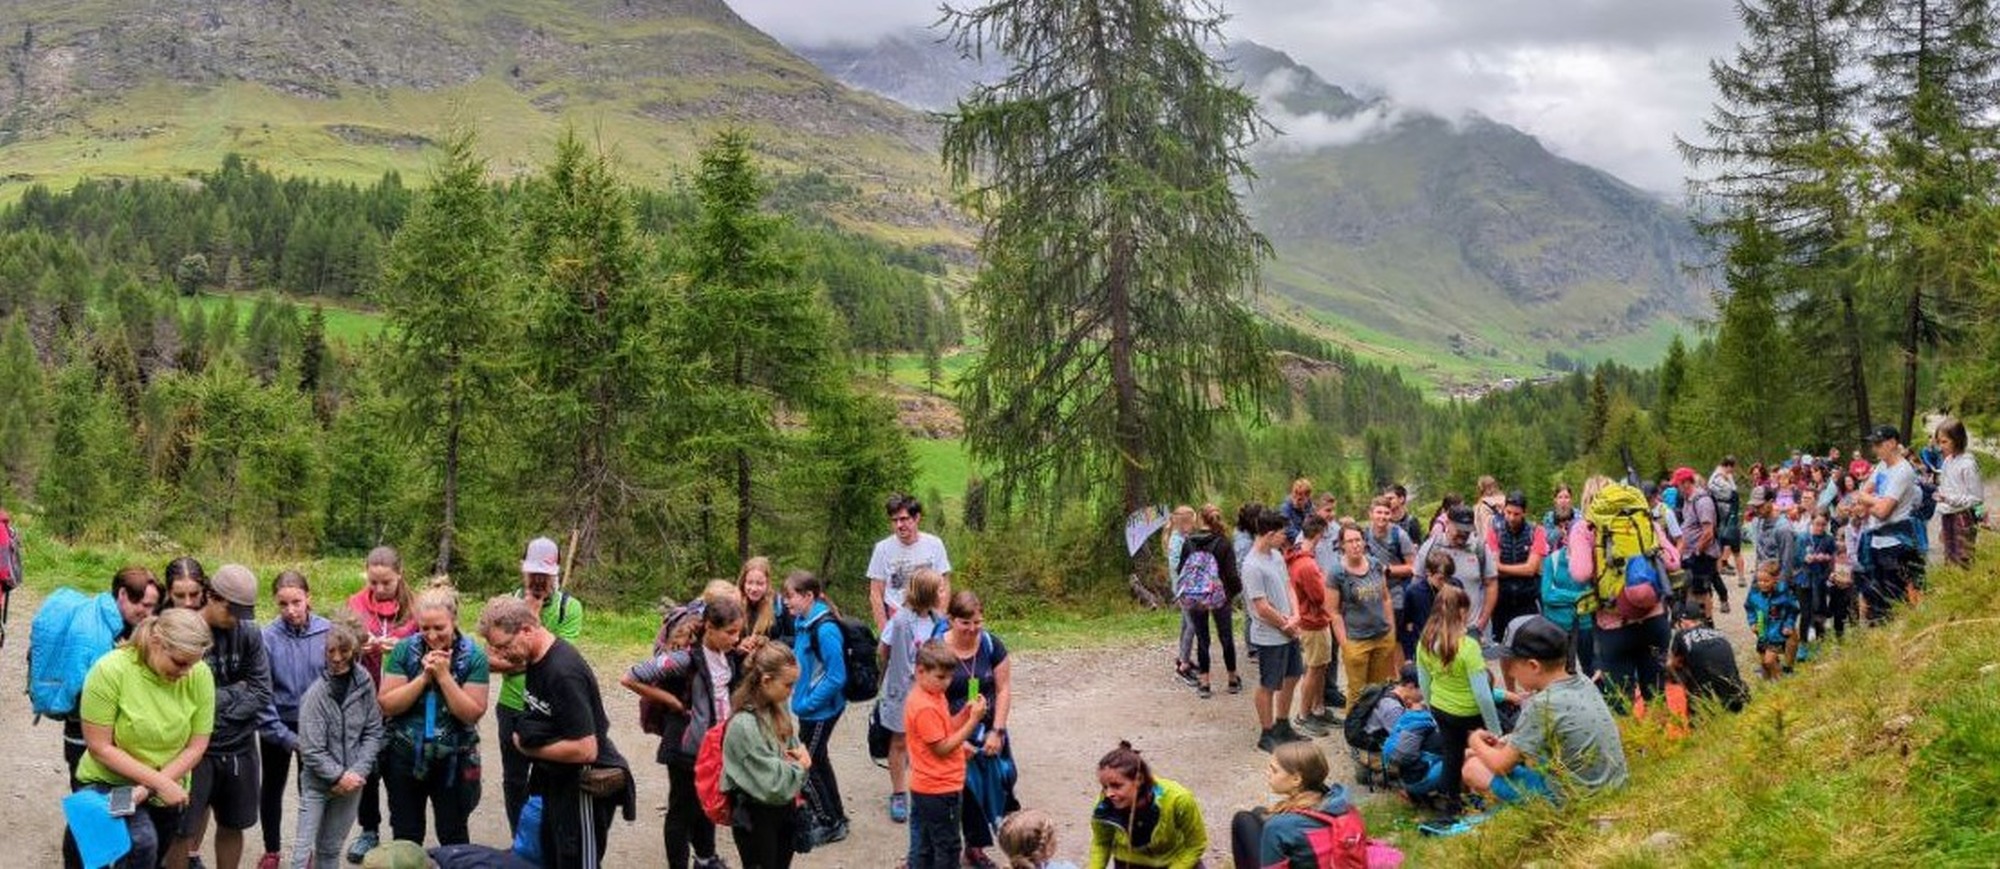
[338, 737]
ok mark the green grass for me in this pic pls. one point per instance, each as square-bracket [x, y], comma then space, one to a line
[1880, 753]
[352, 326]
[943, 466]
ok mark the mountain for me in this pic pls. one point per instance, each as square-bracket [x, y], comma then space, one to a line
[349, 88]
[915, 67]
[1394, 228]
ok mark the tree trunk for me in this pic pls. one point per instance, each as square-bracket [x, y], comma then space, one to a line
[1130, 430]
[742, 505]
[454, 424]
[1912, 343]
[1857, 375]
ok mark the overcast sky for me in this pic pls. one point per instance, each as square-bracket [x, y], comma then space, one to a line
[1607, 82]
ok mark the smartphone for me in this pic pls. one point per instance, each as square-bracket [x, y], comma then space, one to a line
[971, 688]
[121, 802]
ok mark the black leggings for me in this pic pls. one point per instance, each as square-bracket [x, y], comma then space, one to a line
[822, 789]
[1635, 655]
[686, 826]
[1221, 621]
[271, 803]
[763, 834]
[1457, 733]
[1246, 838]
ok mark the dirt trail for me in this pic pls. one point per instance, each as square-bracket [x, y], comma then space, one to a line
[1070, 707]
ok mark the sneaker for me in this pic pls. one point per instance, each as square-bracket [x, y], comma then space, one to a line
[1451, 826]
[1330, 719]
[714, 862]
[1187, 674]
[362, 844]
[1337, 700]
[1286, 733]
[1235, 684]
[977, 859]
[831, 833]
[1269, 742]
[270, 860]
[899, 808]
[1308, 725]
[1204, 692]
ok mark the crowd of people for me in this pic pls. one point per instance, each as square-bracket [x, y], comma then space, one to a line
[202, 717]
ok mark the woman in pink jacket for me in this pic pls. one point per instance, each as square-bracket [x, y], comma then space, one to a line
[1633, 632]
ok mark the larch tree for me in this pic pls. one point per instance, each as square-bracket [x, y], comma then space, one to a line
[443, 289]
[1107, 168]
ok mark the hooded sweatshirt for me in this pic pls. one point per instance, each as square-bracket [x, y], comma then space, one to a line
[1284, 841]
[1308, 589]
[339, 734]
[298, 659]
[822, 666]
[242, 685]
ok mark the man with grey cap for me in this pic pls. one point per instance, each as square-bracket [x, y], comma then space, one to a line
[562, 615]
[228, 779]
[1565, 738]
[1472, 566]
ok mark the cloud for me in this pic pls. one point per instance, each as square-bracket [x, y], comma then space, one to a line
[1606, 82]
[1313, 130]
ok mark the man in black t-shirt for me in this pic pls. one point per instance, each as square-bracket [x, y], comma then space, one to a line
[565, 735]
[1702, 660]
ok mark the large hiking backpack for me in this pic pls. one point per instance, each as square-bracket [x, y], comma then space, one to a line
[858, 643]
[70, 632]
[1339, 842]
[1628, 551]
[1199, 585]
[716, 803]
[1355, 729]
[652, 715]
[10, 569]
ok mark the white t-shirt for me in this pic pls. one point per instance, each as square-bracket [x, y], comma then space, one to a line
[1265, 576]
[1898, 481]
[893, 564]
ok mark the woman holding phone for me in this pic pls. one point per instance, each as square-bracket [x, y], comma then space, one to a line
[148, 708]
[983, 670]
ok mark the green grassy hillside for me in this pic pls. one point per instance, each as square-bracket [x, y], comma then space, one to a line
[347, 89]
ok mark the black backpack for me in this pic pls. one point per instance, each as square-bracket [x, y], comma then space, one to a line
[858, 644]
[1355, 728]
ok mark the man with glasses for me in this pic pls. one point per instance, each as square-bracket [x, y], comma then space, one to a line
[899, 556]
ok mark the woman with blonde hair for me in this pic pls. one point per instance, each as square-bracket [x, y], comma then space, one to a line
[148, 708]
[433, 693]
[763, 615]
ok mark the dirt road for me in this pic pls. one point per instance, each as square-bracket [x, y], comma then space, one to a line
[1070, 707]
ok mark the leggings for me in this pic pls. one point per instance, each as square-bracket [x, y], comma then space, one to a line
[763, 834]
[686, 826]
[1457, 733]
[1635, 655]
[1186, 646]
[278, 764]
[822, 789]
[1201, 619]
[1246, 838]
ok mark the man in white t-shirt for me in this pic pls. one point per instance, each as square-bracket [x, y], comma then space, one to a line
[1890, 552]
[899, 556]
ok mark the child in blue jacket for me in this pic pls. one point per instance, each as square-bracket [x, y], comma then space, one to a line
[1773, 615]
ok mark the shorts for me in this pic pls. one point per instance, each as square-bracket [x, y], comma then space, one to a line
[1275, 664]
[1766, 646]
[230, 784]
[1522, 785]
[1316, 647]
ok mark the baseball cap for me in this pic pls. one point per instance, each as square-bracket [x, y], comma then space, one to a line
[1536, 638]
[396, 855]
[541, 557]
[1690, 611]
[1683, 474]
[1517, 498]
[1758, 496]
[1882, 433]
[1461, 516]
[237, 585]
[1408, 675]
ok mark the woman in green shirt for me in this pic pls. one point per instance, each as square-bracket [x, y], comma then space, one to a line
[1143, 821]
[1457, 687]
[148, 708]
[763, 763]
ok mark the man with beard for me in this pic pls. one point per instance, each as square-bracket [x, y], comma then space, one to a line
[561, 615]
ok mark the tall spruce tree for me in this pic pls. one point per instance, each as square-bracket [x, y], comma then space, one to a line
[756, 335]
[1780, 144]
[1106, 169]
[442, 290]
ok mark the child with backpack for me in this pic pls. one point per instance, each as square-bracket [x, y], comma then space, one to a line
[1208, 557]
[1407, 741]
[1773, 615]
[763, 764]
[690, 686]
[1029, 839]
[938, 748]
[819, 647]
[340, 735]
[1312, 825]
[918, 621]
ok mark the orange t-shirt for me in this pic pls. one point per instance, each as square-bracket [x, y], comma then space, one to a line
[927, 722]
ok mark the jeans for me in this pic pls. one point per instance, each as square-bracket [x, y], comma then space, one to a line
[763, 834]
[278, 764]
[513, 767]
[449, 789]
[686, 826]
[934, 822]
[1635, 656]
[324, 819]
[822, 789]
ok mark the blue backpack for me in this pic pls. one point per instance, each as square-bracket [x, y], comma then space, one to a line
[1432, 762]
[70, 632]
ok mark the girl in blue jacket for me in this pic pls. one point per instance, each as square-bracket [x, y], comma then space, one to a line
[817, 698]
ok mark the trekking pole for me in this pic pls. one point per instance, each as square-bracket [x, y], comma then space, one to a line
[569, 558]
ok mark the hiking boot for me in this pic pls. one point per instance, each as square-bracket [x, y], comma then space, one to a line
[1269, 742]
[1308, 725]
[1235, 684]
[899, 808]
[270, 860]
[362, 844]
[1286, 733]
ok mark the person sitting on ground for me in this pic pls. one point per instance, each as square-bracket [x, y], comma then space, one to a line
[1772, 613]
[1412, 747]
[1702, 661]
[1566, 735]
[1029, 839]
[1279, 837]
[1143, 822]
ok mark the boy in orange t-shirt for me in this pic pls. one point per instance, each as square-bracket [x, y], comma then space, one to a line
[938, 752]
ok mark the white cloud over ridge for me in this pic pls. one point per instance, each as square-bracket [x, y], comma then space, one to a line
[1606, 82]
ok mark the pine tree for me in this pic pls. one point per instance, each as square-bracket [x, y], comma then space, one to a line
[442, 290]
[1106, 168]
[23, 404]
[756, 335]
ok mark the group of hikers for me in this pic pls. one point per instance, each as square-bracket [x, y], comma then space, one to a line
[185, 716]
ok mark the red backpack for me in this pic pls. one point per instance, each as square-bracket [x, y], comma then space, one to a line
[1339, 842]
[715, 802]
